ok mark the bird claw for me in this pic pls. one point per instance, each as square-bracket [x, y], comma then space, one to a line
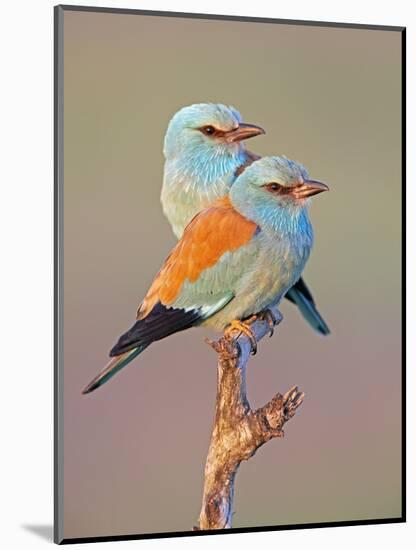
[243, 328]
[271, 319]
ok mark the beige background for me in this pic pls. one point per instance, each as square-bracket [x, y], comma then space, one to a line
[135, 450]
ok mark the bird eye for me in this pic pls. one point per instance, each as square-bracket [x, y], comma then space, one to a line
[274, 187]
[208, 130]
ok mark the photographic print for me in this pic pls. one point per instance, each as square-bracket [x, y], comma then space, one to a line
[228, 274]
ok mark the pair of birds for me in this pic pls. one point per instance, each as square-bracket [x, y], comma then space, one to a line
[244, 234]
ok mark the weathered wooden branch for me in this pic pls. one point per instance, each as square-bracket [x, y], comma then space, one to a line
[238, 431]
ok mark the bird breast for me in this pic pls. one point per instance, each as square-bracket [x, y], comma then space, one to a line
[270, 265]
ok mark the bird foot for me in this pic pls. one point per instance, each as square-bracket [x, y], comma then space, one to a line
[242, 328]
[271, 319]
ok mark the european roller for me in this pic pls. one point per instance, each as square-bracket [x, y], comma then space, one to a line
[235, 260]
[204, 153]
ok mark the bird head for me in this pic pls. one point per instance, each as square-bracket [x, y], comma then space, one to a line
[207, 128]
[273, 186]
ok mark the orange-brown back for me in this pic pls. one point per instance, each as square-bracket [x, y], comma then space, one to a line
[210, 234]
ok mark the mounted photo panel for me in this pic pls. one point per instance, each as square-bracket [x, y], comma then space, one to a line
[220, 180]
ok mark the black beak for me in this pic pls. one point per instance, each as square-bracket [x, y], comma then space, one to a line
[309, 188]
[244, 131]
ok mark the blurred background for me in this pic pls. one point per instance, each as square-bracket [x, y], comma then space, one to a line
[135, 450]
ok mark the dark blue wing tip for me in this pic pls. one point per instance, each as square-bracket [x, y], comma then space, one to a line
[324, 330]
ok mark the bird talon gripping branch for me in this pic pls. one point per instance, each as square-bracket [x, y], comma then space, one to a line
[242, 328]
[272, 321]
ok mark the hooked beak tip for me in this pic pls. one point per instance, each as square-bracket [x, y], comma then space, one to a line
[245, 131]
[309, 188]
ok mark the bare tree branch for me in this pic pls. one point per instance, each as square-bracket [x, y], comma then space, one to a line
[238, 430]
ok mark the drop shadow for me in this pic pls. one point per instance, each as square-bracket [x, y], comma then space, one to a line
[43, 531]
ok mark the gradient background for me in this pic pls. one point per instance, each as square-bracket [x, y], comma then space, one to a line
[135, 450]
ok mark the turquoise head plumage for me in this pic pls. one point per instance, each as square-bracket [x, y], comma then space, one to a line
[275, 192]
[203, 148]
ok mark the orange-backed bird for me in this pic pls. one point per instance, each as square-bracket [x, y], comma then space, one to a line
[205, 151]
[235, 259]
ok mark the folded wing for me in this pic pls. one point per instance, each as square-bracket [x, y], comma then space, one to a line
[179, 296]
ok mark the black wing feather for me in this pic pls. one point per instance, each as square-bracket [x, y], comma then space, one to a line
[158, 324]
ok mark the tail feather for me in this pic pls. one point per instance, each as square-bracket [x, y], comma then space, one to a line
[308, 310]
[112, 368]
[160, 322]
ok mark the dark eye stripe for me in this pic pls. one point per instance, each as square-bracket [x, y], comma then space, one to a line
[211, 131]
[278, 189]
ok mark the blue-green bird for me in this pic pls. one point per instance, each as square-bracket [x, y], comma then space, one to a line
[235, 259]
[205, 152]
